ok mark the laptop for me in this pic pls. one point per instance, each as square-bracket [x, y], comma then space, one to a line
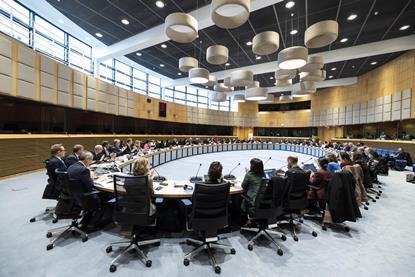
[310, 167]
[269, 173]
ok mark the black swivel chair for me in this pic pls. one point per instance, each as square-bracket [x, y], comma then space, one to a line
[296, 201]
[132, 208]
[52, 191]
[268, 207]
[209, 214]
[76, 200]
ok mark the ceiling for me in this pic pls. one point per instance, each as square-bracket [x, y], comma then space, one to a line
[376, 20]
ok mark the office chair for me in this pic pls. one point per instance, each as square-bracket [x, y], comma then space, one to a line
[268, 207]
[132, 197]
[209, 213]
[296, 201]
[76, 203]
[52, 191]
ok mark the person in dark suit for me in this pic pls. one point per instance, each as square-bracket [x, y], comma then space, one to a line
[98, 153]
[81, 180]
[105, 148]
[129, 147]
[74, 157]
[52, 164]
[214, 173]
[292, 164]
[116, 148]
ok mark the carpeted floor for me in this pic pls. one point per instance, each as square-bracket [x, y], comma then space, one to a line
[380, 244]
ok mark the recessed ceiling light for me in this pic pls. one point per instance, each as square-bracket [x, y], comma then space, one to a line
[98, 35]
[353, 66]
[163, 46]
[376, 13]
[161, 65]
[292, 14]
[271, 78]
[333, 68]
[404, 27]
[293, 32]
[179, 73]
[60, 21]
[352, 16]
[227, 64]
[343, 40]
[258, 57]
[289, 4]
[331, 76]
[373, 63]
[249, 43]
[138, 54]
[160, 4]
[125, 21]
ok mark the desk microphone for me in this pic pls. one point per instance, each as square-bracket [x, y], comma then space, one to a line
[196, 178]
[267, 160]
[230, 176]
[307, 160]
[158, 178]
[280, 171]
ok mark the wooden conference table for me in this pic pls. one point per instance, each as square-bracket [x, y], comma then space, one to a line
[175, 188]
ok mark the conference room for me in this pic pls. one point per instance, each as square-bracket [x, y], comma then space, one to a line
[207, 137]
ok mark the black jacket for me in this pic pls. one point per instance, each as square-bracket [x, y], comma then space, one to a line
[80, 177]
[71, 159]
[341, 198]
[52, 189]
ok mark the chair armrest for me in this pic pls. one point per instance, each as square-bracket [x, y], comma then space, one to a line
[91, 193]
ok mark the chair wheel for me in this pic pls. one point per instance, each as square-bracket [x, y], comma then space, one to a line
[377, 197]
[84, 239]
[380, 192]
[217, 269]
[233, 251]
[46, 210]
[295, 238]
[314, 233]
[283, 237]
[367, 203]
[149, 263]
[113, 268]
[373, 200]
[324, 227]
[186, 262]
[54, 220]
[366, 208]
[346, 228]
[32, 219]
[301, 221]
[108, 249]
[49, 247]
[48, 234]
[279, 252]
[250, 247]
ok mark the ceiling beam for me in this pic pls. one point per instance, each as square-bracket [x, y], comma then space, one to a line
[343, 54]
[156, 34]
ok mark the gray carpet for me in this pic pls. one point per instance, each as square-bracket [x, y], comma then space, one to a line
[380, 244]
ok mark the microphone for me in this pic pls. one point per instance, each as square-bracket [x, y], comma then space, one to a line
[280, 171]
[196, 178]
[158, 178]
[230, 176]
[267, 160]
[307, 160]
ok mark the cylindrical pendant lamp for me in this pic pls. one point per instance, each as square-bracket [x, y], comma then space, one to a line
[321, 34]
[229, 14]
[266, 43]
[217, 54]
[187, 63]
[242, 78]
[198, 75]
[181, 27]
[256, 94]
[292, 57]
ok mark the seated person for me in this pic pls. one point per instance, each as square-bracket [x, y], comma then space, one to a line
[98, 153]
[55, 162]
[128, 148]
[345, 159]
[292, 164]
[142, 168]
[74, 157]
[333, 165]
[80, 177]
[137, 146]
[320, 179]
[116, 148]
[251, 184]
[147, 146]
[105, 147]
[402, 155]
[214, 173]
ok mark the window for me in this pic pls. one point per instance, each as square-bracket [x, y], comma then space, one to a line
[79, 55]
[154, 90]
[15, 20]
[202, 99]
[154, 80]
[191, 96]
[180, 94]
[169, 94]
[106, 70]
[234, 106]
[49, 39]
[139, 81]
[224, 106]
[122, 75]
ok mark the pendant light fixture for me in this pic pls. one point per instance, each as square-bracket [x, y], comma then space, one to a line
[242, 78]
[321, 34]
[217, 96]
[256, 94]
[284, 74]
[217, 54]
[292, 57]
[227, 82]
[283, 83]
[314, 62]
[254, 84]
[187, 63]
[212, 81]
[198, 75]
[229, 14]
[269, 99]
[265, 43]
[181, 27]
[315, 75]
[239, 98]
[285, 97]
[222, 88]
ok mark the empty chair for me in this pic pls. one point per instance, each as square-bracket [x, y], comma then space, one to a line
[132, 208]
[296, 201]
[268, 207]
[209, 214]
[76, 202]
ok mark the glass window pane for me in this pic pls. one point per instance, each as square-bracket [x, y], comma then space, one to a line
[154, 80]
[122, 74]
[139, 86]
[234, 106]
[180, 88]
[191, 97]
[168, 93]
[139, 74]
[204, 106]
[190, 103]
[154, 90]
[105, 73]
[78, 47]
[19, 12]
[48, 30]
[20, 32]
